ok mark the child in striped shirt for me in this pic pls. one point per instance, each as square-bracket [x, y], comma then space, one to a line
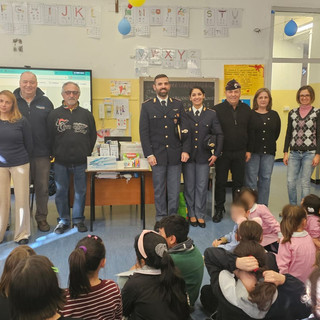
[88, 296]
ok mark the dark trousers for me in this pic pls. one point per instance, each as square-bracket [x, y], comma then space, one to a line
[234, 161]
[40, 168]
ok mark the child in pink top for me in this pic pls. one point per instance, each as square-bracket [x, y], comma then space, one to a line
[311, 205]
[270, 225]
[297, 251]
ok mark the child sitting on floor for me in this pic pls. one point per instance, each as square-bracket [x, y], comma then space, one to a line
[88, 297]
[311, 205]
[297, 251]
[239, 209]
[270, 226]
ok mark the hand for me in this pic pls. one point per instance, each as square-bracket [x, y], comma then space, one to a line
[212, 160]
[216, 243]
[285, 158]
[248, 156]
[184, 156]
[152, 160]
[316, 160]
[274, 277]
[247, 263]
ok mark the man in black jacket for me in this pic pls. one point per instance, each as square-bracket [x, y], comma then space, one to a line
[73, 135]
[35, 106]
[234, 117]
[165, 142]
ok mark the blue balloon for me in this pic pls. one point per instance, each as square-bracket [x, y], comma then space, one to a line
[291, 28]
[124, 26]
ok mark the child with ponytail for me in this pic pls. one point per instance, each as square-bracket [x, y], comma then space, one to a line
[297, 251]
[311, 205]
[156, 290]
[88, 297]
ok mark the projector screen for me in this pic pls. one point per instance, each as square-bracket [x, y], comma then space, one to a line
[50, 81]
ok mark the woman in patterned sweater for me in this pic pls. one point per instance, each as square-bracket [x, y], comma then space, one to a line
[303, 139]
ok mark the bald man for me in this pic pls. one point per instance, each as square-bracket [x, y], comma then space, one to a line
[35, 106]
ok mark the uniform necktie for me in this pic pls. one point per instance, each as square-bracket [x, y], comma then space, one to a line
[163, 103]
[197, 113]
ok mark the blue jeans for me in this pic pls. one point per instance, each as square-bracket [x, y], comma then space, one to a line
[299, 163]
[62, 181]
[258, 175]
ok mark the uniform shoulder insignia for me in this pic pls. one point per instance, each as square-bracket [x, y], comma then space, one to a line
[147, 100]
[175, 99]
[211, 110]
[189, 109]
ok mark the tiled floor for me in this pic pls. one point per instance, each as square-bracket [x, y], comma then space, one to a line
[119, 229]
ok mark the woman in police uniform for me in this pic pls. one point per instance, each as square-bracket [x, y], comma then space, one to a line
[206, 145]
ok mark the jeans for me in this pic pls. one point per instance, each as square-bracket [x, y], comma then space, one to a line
[166, 184]
[299, 163]
[62, 181]
[258, 175]
[196, 177]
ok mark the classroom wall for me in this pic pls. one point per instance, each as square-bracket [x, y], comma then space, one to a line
[111, 57]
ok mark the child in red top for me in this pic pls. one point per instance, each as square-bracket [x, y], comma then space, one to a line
[311, 205]
[88, 297]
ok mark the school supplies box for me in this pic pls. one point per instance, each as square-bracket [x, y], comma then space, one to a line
[131, 160]
[101, 163]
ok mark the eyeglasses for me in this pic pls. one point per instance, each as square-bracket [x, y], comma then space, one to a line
[304, 95]
[68, 93]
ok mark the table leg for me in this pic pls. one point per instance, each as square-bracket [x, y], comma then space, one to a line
[92, 200]
[143, 213]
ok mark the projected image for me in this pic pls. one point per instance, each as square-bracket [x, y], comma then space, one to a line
[50, 81]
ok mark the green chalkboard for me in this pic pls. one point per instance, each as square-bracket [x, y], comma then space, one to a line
[180, 88]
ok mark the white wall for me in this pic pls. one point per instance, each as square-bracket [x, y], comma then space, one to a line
[109, 57]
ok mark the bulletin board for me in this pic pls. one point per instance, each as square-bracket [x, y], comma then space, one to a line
[250, 77]
[180, 88]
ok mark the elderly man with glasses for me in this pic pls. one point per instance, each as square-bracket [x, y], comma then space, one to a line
[72, 132]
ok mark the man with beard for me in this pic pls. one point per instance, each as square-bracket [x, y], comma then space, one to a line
[166, 143]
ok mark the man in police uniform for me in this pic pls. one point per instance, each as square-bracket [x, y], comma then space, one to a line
[166, 143]
[234, 117]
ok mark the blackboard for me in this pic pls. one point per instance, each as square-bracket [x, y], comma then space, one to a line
[180, 88]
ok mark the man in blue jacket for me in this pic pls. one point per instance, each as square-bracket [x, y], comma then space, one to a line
[35, 106]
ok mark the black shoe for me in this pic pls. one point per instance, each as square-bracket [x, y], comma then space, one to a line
[61, 228]
[218, 215]
[202, 224]
[43, 226]
[81, 227]
[193, 223]
[23, 241]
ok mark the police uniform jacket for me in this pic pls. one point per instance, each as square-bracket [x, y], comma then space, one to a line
[206, 135]
[164, 131]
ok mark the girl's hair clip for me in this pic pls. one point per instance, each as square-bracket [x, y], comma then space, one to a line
[310, 209]
[83, 248]
[55, 269]
[94, 237]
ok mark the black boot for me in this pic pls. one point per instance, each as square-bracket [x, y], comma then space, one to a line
[218, 215]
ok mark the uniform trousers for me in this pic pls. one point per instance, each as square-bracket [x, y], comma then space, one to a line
[20, 176]
[166, 184]
[234, 161]
[196, 178]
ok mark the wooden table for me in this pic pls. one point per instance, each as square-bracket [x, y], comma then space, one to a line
[140, 171]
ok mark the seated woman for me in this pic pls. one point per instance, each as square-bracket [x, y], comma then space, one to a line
[246, 289]
[88, 296]
[156, 291]
[34, 292]
[13, 259]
